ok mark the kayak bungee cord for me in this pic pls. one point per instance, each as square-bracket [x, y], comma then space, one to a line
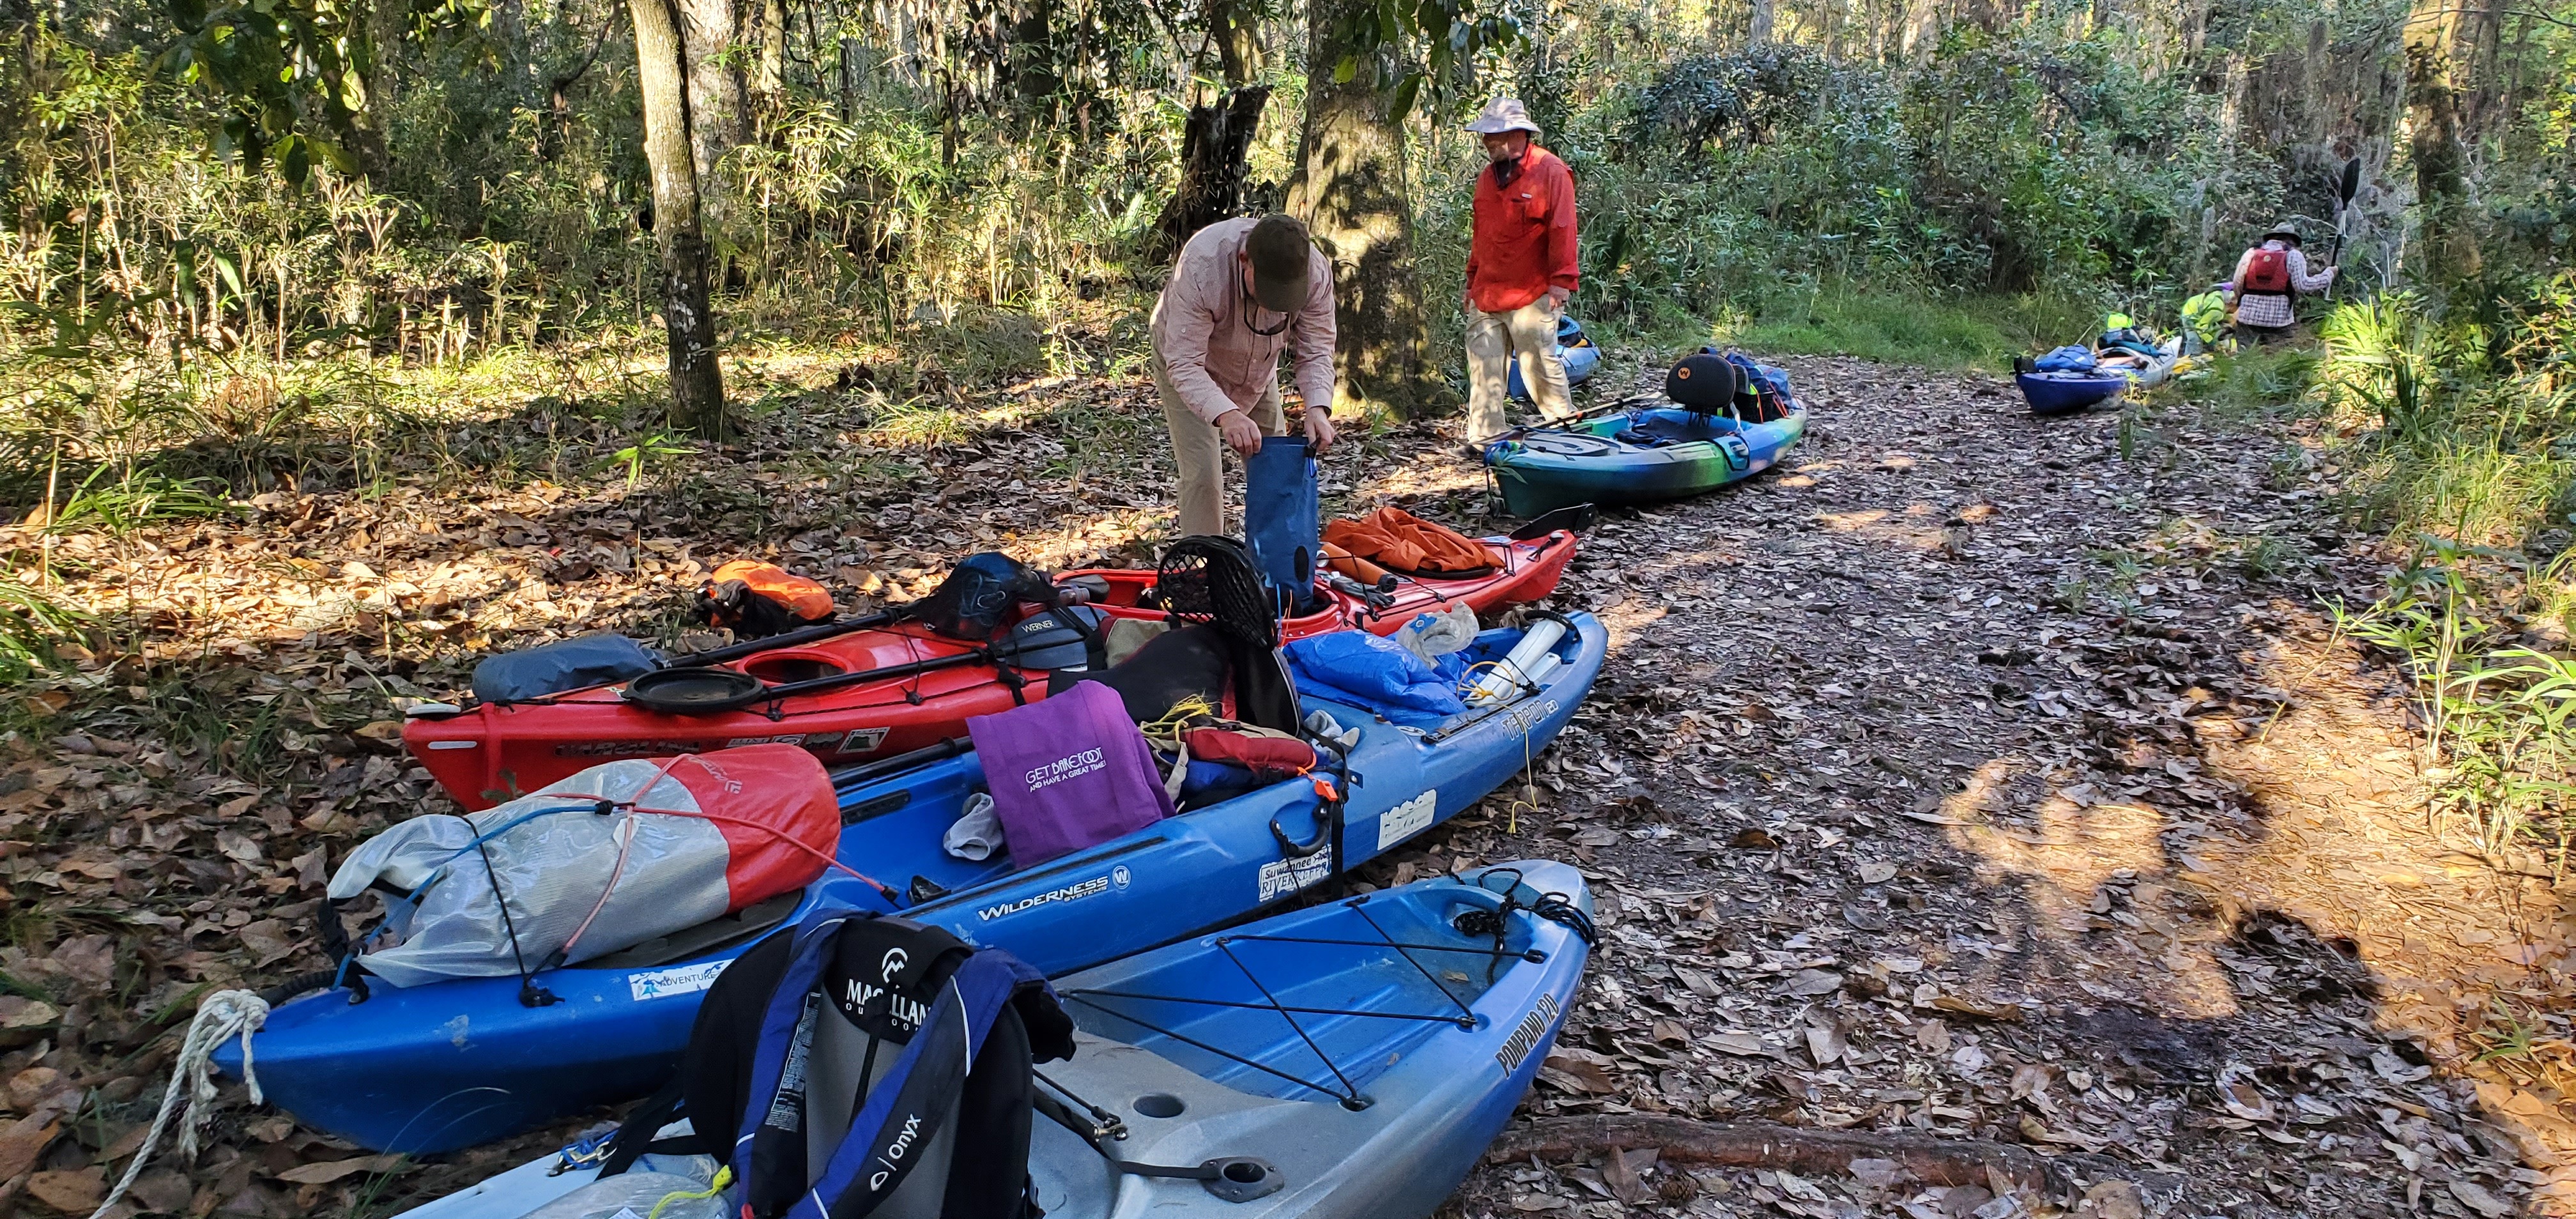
[617, 871]
[1553, 907]
[1349, 1094]
[530, 994]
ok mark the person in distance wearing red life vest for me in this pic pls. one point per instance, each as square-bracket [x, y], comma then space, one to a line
[1520, 270]
[2268, 278]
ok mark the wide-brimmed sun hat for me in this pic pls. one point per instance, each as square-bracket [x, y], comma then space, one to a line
[1503, 114]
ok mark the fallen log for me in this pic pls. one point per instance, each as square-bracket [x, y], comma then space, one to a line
[1934, 1161]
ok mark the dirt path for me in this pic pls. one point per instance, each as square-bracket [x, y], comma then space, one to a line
[1968, 778]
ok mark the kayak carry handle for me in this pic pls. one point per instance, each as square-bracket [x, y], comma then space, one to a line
[1294, 849]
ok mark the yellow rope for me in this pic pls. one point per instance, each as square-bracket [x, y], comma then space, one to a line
[1184, 715]
[1529, 786]
[724, 1177]
[1467, 680]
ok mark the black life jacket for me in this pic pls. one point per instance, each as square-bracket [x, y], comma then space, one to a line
[864, 1065]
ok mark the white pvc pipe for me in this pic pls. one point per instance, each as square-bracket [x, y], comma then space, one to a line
[1513, 671]
[1546, 670]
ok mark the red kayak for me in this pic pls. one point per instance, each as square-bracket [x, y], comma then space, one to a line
[878, 691]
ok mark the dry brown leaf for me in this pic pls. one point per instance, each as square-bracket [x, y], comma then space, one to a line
[74, 1191]
[23, 1140]
[325, 1173]
[1826, 1044]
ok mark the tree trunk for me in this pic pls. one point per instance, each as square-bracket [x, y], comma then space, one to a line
[1214, 145]
[662, 76]
[2433, 99]
[1763, 12]
[771, 83]
[1351, 190]
[1922, 34]
[1238, 40]
[717, 96]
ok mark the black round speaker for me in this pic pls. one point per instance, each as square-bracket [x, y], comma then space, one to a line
[694, 691]
[1704, 381]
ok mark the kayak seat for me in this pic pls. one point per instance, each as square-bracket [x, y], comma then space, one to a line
[1662, 429]
[1190, 662]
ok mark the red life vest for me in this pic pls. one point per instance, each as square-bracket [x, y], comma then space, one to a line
[2268, 272]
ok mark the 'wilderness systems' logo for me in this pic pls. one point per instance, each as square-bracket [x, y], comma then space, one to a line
[1070, 893]
[1526, 1037]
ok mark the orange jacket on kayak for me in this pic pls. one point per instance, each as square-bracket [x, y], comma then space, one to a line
[1400, 541]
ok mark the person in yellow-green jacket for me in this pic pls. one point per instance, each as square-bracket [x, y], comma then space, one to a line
[2204, 319]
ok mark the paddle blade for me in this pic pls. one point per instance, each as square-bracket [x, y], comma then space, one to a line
[2349, 183]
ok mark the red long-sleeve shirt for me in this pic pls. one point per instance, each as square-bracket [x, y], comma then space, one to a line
[1524, 238]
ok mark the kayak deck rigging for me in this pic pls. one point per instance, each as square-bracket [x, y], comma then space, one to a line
[1216, 1009]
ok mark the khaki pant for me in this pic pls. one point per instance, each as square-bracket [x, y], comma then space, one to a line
[1198, 453]
[1529, 333]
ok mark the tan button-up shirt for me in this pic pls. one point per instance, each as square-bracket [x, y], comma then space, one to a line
[1203, 328]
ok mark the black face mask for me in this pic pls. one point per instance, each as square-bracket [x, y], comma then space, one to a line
[1505, 171]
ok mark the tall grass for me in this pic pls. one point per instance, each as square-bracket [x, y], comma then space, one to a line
[2498, 715]
[2466, 444]
[31, 624]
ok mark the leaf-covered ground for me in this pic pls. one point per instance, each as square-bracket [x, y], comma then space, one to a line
[1972, 776]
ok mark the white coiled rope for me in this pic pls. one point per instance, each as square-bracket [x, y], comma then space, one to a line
[224, 1015]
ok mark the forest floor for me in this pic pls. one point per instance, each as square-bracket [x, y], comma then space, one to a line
[1972, 777]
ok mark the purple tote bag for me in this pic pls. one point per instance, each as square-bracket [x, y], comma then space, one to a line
[1068, 773]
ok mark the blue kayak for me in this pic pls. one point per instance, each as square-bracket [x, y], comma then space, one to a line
[1575, 347]
[2056, 393]
[436, 1067]
[1352, 1059]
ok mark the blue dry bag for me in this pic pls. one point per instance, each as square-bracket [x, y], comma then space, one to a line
[1279, 519]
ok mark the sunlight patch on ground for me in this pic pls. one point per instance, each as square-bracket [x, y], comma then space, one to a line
[2069, 863]
[2343, 846]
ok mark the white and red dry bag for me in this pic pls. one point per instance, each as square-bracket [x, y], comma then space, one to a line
[606, 859]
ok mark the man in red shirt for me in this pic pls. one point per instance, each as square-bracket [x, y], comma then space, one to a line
[1520, 270]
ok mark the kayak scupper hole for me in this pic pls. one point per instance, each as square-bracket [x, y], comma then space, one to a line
[1245, 1172]
[1159, 1104]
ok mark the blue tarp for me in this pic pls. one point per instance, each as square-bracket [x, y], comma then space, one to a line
[1364, 670]
[2073, 357]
